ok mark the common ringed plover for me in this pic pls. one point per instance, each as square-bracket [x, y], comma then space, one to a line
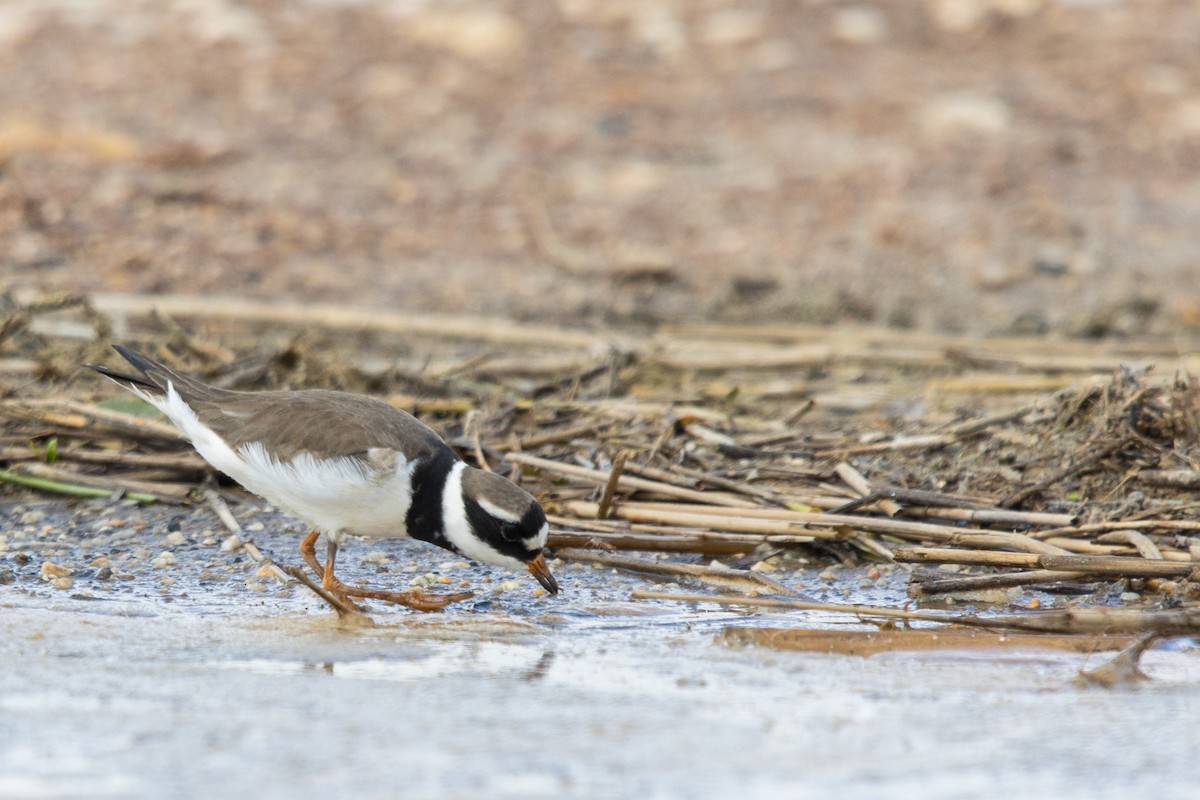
[345, 463]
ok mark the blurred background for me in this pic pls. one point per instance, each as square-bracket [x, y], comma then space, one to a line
[978, 166]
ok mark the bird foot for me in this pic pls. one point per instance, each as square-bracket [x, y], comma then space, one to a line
[413, 598]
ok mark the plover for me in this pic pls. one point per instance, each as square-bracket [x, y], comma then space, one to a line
[349, 464]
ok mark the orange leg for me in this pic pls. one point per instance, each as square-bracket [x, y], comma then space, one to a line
[308, 549]
[413, 598]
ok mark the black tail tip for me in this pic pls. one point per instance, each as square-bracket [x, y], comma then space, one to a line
[135, 358]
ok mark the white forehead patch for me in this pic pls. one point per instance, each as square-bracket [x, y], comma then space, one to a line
[496, 511]
[538, 540]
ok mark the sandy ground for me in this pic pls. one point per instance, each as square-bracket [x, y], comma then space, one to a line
[966, 165]
[269, 706]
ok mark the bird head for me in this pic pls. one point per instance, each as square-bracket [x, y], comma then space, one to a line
[499, 523]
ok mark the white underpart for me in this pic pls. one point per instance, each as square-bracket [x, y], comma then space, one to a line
[334, 495]
[458, 529]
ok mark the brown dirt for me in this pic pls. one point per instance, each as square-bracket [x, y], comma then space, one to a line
[970, 165]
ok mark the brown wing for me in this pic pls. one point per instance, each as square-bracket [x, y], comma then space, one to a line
[315, 421]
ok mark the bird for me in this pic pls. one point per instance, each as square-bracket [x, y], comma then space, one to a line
[350, 464]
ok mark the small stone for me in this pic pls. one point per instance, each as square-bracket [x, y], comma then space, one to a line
[762, 566]
[481, 35]
[62, 583]
[208, 541]
[255, 527]
[859, 25]
[508, 586]
[377, 557]
[873, 573]
[232, 544]
[1129, 597]
[51, 571]
[424, 581]
[7, 575]
[256, 586]
[733, 26]
[445, 579]
[963, 113]
[32, 517]
[116, 523]
[104, 573]
[175, 538]
[827, 575]
[164, 560]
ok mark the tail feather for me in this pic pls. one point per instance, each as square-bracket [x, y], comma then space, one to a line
[155, 378]
[132, 383]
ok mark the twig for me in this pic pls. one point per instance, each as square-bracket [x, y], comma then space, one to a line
[75, 489]
[610, 486]
[681, 476]
[723, 578]
[269, 567]
[1171, 478]
[1112, 621]
[855, 480]
[937, 582]
[699, 519]
[1142, 543]
[627, 481]
[1078, 465]
[166, 492]
[1093, 565]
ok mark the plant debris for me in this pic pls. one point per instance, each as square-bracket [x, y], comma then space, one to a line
[856, 446]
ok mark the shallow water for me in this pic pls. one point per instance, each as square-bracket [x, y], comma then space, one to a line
[163, 685]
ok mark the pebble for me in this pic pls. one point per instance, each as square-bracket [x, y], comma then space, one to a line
[827, 575]
[175, 539]
[255, 527]
[762, 566]
[377, 557]
[51, 571]
[164, 560]
[859, 25]
[482, 35]
[234, 542]
[7, 575]
[508, 586]
[1129, 597]
[964, 113]
[424, 581]
[733, 26]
